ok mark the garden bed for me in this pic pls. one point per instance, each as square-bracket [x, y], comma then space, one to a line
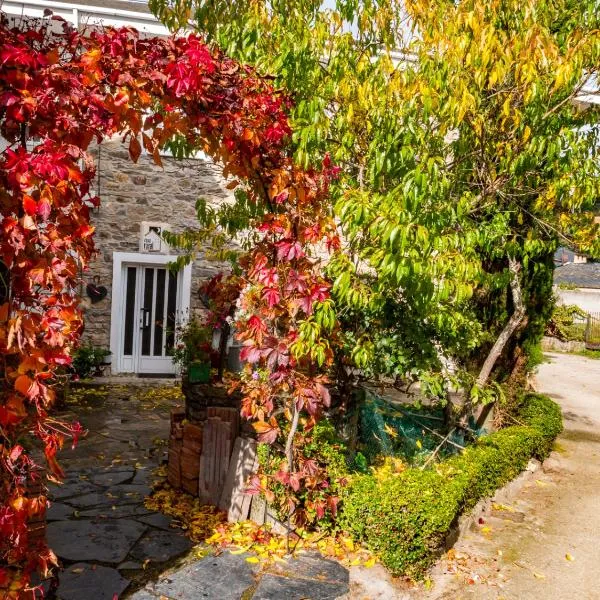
[405, 518]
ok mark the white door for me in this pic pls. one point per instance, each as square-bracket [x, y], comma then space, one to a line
[151, 301]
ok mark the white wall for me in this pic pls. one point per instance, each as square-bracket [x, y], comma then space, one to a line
[82, 15]
[587, 299]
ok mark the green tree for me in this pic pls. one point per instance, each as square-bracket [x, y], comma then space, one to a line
[466, 159]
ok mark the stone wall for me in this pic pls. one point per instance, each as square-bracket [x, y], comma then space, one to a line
[131, 193]
[551, 344]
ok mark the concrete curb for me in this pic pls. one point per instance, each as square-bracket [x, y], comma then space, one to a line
[503, 495]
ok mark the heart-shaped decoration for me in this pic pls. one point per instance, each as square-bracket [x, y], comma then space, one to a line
[96, 292]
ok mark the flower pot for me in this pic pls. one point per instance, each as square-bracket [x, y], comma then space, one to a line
[199, 372]
[234, 363]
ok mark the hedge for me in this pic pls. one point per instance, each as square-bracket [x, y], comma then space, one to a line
[405, 518]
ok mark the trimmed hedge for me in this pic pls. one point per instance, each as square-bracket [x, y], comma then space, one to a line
[405, 518]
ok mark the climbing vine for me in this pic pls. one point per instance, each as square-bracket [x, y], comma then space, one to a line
[61, 91]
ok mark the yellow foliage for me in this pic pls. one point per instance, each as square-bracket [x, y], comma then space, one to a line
[206, 524]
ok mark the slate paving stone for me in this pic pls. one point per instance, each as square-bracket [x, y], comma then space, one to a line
[223, 577]
[110, 478]
[160, 546]
[82, 581]
[157, 520]
[273, 587]
[312, 566]
[115, 495]
[130, 565]
[58, 512]
[106, 542]
[143, 476]
[70, 489]
[115, 511]
[96, 499]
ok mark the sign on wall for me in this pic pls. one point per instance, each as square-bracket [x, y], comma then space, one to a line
[151, 241]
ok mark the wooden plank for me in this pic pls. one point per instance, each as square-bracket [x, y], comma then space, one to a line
[242, 465]
[227, 414]
[214, 460]
[258, 510]
[208, 459]
[222, 462]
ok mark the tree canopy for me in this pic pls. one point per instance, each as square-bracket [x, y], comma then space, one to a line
[463, 147]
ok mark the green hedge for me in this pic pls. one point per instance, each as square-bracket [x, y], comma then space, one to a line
[405, 518]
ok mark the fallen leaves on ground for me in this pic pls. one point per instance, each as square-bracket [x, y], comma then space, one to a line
[148, 397]
[197, 520]
[206, 523]
[269, 547]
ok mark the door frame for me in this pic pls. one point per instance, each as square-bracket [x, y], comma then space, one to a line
[117, 312]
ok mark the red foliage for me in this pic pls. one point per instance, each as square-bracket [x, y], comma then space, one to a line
[67, 90]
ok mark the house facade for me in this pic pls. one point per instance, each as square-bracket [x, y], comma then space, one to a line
[133, 302]
[579, 284]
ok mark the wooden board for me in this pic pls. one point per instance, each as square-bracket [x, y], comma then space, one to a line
[258, 510]
[228, 415]
[243, 464]
[214, 460]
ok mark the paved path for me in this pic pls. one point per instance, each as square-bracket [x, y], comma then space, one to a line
[98, 525]
[110, 545]
[546, 544]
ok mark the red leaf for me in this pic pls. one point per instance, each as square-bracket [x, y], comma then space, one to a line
[267, 432]
[135, 148]
[29, 205]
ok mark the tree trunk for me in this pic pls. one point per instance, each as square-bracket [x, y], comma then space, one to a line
[483, 413]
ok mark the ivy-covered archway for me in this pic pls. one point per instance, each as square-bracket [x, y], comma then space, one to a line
[67, 89]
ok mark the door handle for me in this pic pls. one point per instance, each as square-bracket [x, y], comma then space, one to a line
[145, 322]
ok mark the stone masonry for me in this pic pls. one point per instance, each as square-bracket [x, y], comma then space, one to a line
[131, 193]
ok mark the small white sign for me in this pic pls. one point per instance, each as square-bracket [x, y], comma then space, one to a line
[151, 241]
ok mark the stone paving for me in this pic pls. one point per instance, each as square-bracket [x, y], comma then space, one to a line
[106, 539]
[111, 546]
[232, 577]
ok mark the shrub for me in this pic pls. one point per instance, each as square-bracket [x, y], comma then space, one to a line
[87, 359]
[316, 499]
[404, 518]
[567, 323]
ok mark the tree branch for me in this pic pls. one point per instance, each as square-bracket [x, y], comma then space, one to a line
[513, 323]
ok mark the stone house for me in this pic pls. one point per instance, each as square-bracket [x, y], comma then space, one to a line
[132, 301]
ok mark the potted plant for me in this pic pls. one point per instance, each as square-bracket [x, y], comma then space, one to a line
[193, 351]
[89, 360]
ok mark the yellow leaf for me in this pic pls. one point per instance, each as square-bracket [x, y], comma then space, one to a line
[539, 576]
[419, 445]
[370, 563]
[252, 559]
[569, 556]
[390, 431]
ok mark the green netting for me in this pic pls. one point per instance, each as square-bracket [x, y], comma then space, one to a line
[407, 431]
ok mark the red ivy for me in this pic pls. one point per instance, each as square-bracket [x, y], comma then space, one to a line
[146, 90]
